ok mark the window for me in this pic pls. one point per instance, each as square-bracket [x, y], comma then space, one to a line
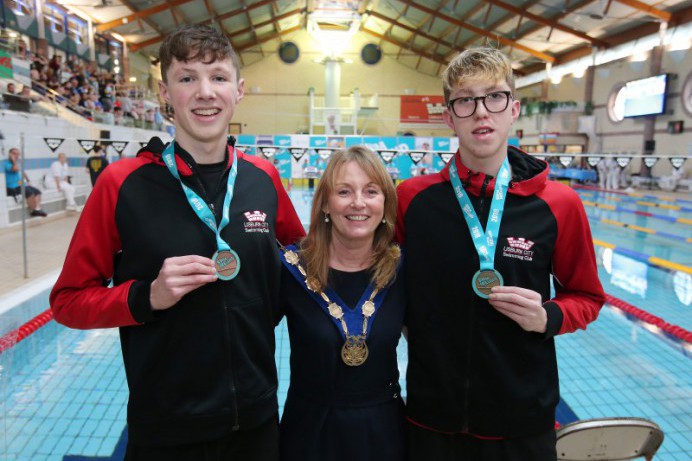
[686, 94]
[20, 7]
[616, 103]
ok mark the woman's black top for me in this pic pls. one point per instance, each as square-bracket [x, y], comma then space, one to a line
[333, 411]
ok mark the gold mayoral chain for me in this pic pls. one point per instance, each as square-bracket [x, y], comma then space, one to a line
[354, 352]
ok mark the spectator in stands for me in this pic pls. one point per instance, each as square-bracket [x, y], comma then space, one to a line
[14, 188]
[126, 105]
[50, 79]
[59, 177]
[118, 118]
[107, 95]
[22, 52]
[25, 92]
[40, 61]
[107, 117]
[148, 118]
[158, 118]
[73, 101]
[96, 163]
[20, 102]
[72, 64]
[55, 64]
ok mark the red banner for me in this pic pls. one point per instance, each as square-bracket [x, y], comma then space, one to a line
[423, 110]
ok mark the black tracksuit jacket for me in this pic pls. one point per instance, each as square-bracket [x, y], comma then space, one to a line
[471, 369]
[204, 367]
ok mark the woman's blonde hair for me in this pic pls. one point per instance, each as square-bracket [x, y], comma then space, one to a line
[315, 247]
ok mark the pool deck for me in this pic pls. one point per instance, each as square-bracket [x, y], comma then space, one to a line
[47, 241]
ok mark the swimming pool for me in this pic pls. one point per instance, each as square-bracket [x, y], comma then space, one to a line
[63, 393]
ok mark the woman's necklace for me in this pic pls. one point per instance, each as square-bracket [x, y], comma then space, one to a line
[354, 352]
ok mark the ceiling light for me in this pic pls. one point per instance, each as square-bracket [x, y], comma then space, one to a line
[333, 28]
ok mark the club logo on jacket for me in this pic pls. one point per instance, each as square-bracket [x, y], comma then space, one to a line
[519, 248]
[256, 222]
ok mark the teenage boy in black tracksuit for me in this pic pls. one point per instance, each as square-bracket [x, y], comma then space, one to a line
[198, 349]
[482, 378]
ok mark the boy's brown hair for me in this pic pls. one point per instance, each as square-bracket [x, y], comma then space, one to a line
[474, 64]
[193, 43]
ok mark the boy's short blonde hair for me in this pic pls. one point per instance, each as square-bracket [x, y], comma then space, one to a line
[474, 64]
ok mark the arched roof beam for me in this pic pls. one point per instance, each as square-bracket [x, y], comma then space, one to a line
[235, 33]
[650, 10]
[548, 22]
[403, 45]
[139, 14]
[507, 42]
[267, 38]
[410, 29]
[221, 17]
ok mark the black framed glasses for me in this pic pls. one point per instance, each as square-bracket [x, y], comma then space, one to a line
[494, 102]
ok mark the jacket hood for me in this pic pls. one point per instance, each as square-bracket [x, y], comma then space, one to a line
[529, 175]
[155, 147]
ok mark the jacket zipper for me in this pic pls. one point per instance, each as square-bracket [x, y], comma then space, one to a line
[467, 384]
[227, 328]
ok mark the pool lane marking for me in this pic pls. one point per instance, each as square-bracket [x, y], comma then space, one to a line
[645, 230]
[639, 213]
[631, 194]
[651, 260]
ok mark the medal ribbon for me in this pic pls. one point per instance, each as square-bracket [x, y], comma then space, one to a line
[352, 317]
[199, 206]
[484, 241]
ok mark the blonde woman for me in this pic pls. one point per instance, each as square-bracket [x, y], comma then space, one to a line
[345, 309]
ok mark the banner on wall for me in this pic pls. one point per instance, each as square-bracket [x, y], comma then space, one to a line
[417, 110]
[650, 161]
[119, 146]
[387, 155]
[306, 156]
[677, 162]
[87, 145]
[297, 152]
[416, 157]
[53, 143]
[566, 160]
[593, 160]
[5, 64]
[623, 161]
[446, 156]
[325, 153]
[268, 151]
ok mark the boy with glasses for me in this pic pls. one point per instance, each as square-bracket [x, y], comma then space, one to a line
[484, 238]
